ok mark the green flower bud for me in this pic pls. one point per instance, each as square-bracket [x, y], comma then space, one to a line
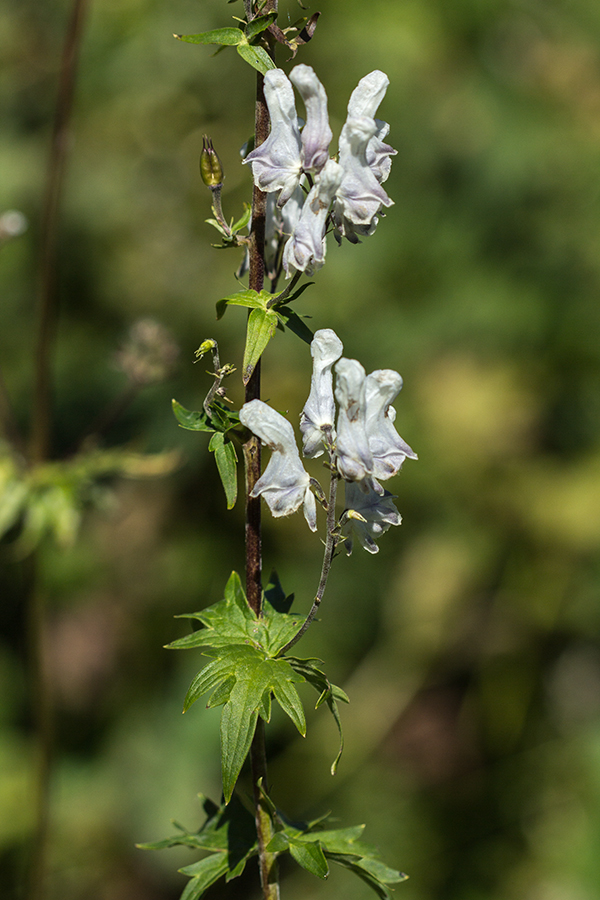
[211, 169]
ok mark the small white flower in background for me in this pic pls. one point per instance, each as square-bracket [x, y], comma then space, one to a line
[368, 516]
[285, 485]
[318, 414]
[305, 250]
[276, 164]
[354, 457]
[316, 134]
[388, 449]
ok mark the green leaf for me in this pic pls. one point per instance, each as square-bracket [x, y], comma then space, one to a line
[328, 693]
[221, 418]
[254, 676]
[360, 867]
[310, 856]
[226, 459]
[228, 834]
[257, 57]
[261, 328]
[205, 873]
[243, 221]
[290, 319]
[259, 24]
[228, 37]
[249, 299]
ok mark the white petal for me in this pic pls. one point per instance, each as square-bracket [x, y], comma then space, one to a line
[276, 163]
[354, 458]
[368, 94]
[388, 449]
[316, 134]
[378, 512]
[284, 483]
[360, 196]
[305, 250]
[319, 409]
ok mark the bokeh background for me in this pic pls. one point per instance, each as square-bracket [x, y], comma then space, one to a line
[469, 645]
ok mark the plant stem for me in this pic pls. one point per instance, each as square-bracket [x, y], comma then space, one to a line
[330, 545]
[267, 862]
[48, 299]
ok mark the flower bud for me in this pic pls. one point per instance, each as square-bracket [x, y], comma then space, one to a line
[211, 169]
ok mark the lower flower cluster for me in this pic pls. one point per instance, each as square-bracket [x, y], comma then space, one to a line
[363, 444]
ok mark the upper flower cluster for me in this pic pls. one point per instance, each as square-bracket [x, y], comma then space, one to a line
[366, 448]
[349, 188]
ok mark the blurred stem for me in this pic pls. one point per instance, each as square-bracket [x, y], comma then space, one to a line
[48, 296]
[40, 437]
[258, 758]
[43, 718]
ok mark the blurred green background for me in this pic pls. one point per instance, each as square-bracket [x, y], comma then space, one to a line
[469, 645]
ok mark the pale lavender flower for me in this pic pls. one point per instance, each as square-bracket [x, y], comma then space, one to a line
[354, 457]
[388, 449]
[364, 101]
[276, 164]
[305, 250]
[316, 134]
[368, 515]
[284, 484]
[360, 195]
[317, 418]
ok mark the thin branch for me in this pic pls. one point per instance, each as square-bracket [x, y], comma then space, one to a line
[330, 545]
[48, 299]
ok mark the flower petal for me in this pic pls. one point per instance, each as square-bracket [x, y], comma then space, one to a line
[284, 484]
[360, 195]
[305, 250]
[388, 449]
[354, 457]
[318, 414]
[376, 513]
[276, 163]
[316, 134]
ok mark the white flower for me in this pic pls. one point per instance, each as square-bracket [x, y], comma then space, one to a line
[319, 410]
[354, 457]
[360, 195]
[276, 164]
[365, 101]
[316, 134]
[305, 250]
[284, 484]
[388, 449]
[368, 515]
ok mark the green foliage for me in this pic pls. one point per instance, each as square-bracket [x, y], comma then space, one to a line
[48, 500]
[244, 672]
[221, 418]
[230, 238]
[328, 693]
[262, 324]
[244, 39]
[228, 835]
[311, 847]
[226, 459]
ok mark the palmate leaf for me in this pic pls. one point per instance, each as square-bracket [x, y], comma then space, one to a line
[221, 417]
[243, 672]
[328, 693]
[228, 835]
[311, 846]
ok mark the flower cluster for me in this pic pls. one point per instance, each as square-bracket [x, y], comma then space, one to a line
[313, 189]
[363, 445]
